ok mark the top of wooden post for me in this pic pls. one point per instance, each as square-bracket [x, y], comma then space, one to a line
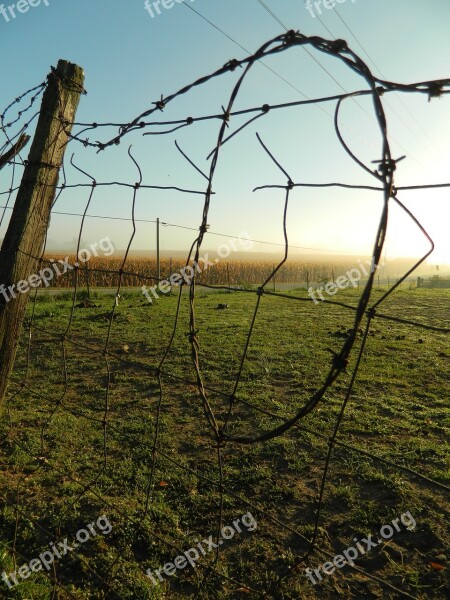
[70, 73]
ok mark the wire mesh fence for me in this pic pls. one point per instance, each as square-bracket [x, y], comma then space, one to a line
[202, 448]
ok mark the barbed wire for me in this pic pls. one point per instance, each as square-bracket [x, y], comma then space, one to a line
[217, 422]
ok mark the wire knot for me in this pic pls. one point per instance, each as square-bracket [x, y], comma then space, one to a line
[226, 116]
[435, 90]
[339, 361]
[160, 104]
[192, 337]
[387, 166]
[337, 46]
[290, 37]
[221, 438]
[232, 64]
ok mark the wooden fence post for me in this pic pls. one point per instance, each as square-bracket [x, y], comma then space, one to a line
[26, 233]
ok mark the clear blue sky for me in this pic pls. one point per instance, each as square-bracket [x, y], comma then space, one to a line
[130, 59]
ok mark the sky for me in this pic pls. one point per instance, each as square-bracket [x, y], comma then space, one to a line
[131, 59]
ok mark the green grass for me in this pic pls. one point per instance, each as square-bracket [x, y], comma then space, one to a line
[63, 390]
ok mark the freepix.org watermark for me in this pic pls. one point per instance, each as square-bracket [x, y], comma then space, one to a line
[22, 6]
[363, 546]
[192, 555]
[352, 277]
[58, 268]
[328, 4]
[186, 274]
[47, 558]
[154, 8]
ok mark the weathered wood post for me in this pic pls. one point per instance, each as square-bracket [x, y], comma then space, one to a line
[25, 236]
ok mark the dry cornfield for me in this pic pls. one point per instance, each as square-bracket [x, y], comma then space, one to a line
[104, 272]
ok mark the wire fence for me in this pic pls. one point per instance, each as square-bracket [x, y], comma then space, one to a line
[158, 422]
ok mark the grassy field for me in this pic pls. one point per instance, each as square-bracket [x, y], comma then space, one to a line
[79, 441]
